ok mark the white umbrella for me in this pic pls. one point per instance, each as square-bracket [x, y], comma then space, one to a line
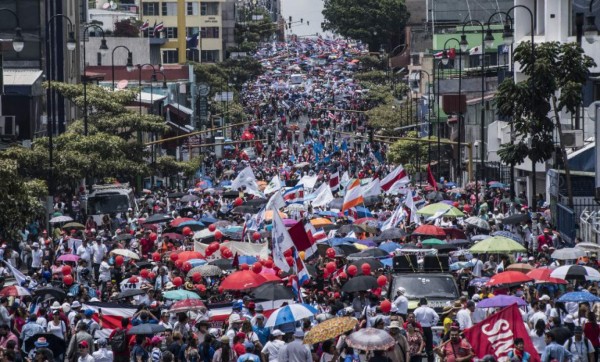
[593, 247]
[126, 253]
[568, 253]
[477, 222]
[575, 272]
[62, 218]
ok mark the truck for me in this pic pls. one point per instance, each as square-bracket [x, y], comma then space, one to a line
[112, 199]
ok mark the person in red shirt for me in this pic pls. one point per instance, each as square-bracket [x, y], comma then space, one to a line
[544, 239]
[121, 356]
[146, 243]
[592, 331]
[456, 349]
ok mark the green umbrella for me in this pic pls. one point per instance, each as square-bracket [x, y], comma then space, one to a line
[497, 244]
[433, 241]
[439, 208]
[180, 295]
[57, 213]
[74, 225]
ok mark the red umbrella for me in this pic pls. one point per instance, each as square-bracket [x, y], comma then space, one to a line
[14, 291]
[175, 223]
[364, 220]
[542, 275]
[173, 236]
[187, 255]
[243, 280]
[429, 230]
[455, 233]
[508, 277]
[271, 277]
[188, 305]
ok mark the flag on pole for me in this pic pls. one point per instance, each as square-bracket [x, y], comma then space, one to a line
[191, 42]
[353, 196]
[409, 202]
[294, 195]
[145, 25]
[302, 240]
[345, 179]
[334, 181]
[323, 196]
[276, 201]
[274, 185]
[282, 241]
[477, 50]
[398, 215]
[373, 188]
[397, 177]
[158, 28]
[430, 178]
[19, 277]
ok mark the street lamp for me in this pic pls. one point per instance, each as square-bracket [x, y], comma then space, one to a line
[129, 65]
[140, 67]
[103, 50]
[445, 58]
[487, 40]
[17, 42]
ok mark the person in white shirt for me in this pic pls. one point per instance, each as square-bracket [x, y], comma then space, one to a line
[428, 318]
[85, 251]
[401, 303]
[102, 354]
[98, 252]
[36, 256]
[477, 267]
[537, 315]
[478, 314]
[271, 349]
[463, 317]
[580, 346]
[104, 270]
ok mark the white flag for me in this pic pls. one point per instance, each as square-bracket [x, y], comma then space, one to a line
[373, 188]
[394, 219]
[276, 201]
[345, 179]
[323, 196]
[245, 177]
[19, 276]
[308, 182]
[410, 203]
[274, 185]
[282, 241]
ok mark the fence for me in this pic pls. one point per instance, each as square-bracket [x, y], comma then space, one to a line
[582, 220]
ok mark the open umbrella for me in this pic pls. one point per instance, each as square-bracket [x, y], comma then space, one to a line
[329, 329]
[579, 297]
[242, 280]
[520, 267]
[56, 344]
[390, 234]
[441, 209]
[515, 219]
[187, 305]
[187, 255]
[429, 230]
[146, 328]
[369, 253]
[480, 237]
[206, 271]
[175, 223]
[189, 198]
[126, 253]
[478, 282]
[501, 301]
[290, 313]
[371, 339]
[568, 253]
[73, 225]
[59, 219]
[497, 244]
[180, 295]
[592, 247]
[433, 241]
[50, 292]
[68, 257]
[508, 234]
[320, 222]
[173, 236]
[360, 283]
[157, 219]
[477, 222]
[389, 247]
[272, 291]
[509, 277]
[575, 272]
[542, 275]
[14, 291]
[223, 264]
[130, 293]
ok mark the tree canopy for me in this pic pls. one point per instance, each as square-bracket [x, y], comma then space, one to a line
[375, 22]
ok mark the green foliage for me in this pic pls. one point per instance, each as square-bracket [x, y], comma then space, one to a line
[388, 116]
[556, 74]
[410, 153]
[20, 199]
[169, 166]
[369, 62]
[249, 33]
[375, 22]
[127, 28]
[372, 76]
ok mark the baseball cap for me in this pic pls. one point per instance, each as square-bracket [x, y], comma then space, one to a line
[401, 290]
[83, 344]
[545, 297]
[299, 333]
[277, 333]
[249, 346]
[88, 313]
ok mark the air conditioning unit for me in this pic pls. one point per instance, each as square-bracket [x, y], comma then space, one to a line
[8, 126]
[573, 139]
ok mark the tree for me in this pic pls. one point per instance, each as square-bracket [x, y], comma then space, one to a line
[556, 76]
[127, 28]
[413, 155]
[20, 199]
[375, 22]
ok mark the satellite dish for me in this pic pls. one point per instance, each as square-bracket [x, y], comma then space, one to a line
[106, 6]
[122, 84]
[591, 110]
[113, 5]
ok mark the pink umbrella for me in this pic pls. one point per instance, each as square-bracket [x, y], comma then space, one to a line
[266, 271]
[289, 222]
[68, 257]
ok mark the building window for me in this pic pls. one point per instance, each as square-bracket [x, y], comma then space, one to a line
[171, 32]
[211, 56]
[191, 31]
[170, 56]
[193, 55]
[150, 9]
[209, 32]
[169, 9]
[193, 8]
[209, 8]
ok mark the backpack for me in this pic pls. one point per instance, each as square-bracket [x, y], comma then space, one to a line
[585, 341]
[118, 343]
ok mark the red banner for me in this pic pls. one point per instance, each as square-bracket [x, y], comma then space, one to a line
[430, 178]
[495, 335]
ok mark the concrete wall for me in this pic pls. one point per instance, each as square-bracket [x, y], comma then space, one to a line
[140, 47]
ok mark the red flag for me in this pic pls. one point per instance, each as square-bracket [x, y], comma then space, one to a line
[495, 335]
[236, 261]
[300, 238]
[430, 178]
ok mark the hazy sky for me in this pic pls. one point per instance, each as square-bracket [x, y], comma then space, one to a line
[306, 9]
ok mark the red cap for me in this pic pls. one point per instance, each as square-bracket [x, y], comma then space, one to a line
[83, 344]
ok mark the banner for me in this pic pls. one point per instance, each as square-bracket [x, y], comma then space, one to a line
[495, 335]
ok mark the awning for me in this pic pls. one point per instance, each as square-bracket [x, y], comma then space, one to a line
[584, 159]
[186, 128]
[179, 110]
[148, 98]
[21, 76]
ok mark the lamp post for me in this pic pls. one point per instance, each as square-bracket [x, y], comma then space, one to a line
[112, 62]
[71, 45]
[140, 67]
[445, 62]
[439, 128]
[429, 109]
[485, 41]
[508, 38]
[103, 49]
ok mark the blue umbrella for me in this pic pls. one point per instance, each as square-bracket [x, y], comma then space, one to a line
[460, 265]
[290, 313]
[197, 262]
[208, 220]
[327, 213]
[508, 234]
[363, 212]
[478, 282]
[388, 262]
[247, 259]
[191, 223]
[579, 297]
[501, 301]
[389, 247]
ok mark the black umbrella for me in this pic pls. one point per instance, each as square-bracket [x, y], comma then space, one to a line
[444, 247]
[256, 202]
[368, 254]
[435, 196]
[515, 219]
[143, 264]
[50, 292]
[360, 283]
[174, 195]
[224, 264]
[146, 328]
[272, 291]
[371, 200]
[231, 194]
[189, 198]
[124, 237]
[322, 249]
[374, 263]
[390, 234]
[348, 228]
[245, 209]
[57, 345]
[130, 293]
[329, 227]
[158, 218]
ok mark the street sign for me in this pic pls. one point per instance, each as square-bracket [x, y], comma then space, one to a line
[591, 110]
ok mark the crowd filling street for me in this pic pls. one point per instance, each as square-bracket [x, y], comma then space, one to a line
[310, 247]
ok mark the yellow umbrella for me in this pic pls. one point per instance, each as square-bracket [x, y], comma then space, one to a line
[269, 215]
[360, 246]
[329, 329]
[320, 221]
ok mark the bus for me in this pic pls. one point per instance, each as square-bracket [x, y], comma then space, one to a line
[112, 200]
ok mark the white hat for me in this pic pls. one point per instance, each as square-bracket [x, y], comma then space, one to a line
[545, 297]
[277, 333]
[76, 304]
[531, 258]
[66, 307]
[476, 297]
[401, 290]
[169, 285]
[55, 306]
[35, 245]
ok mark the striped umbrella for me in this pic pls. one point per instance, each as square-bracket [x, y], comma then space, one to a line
[290, 313]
